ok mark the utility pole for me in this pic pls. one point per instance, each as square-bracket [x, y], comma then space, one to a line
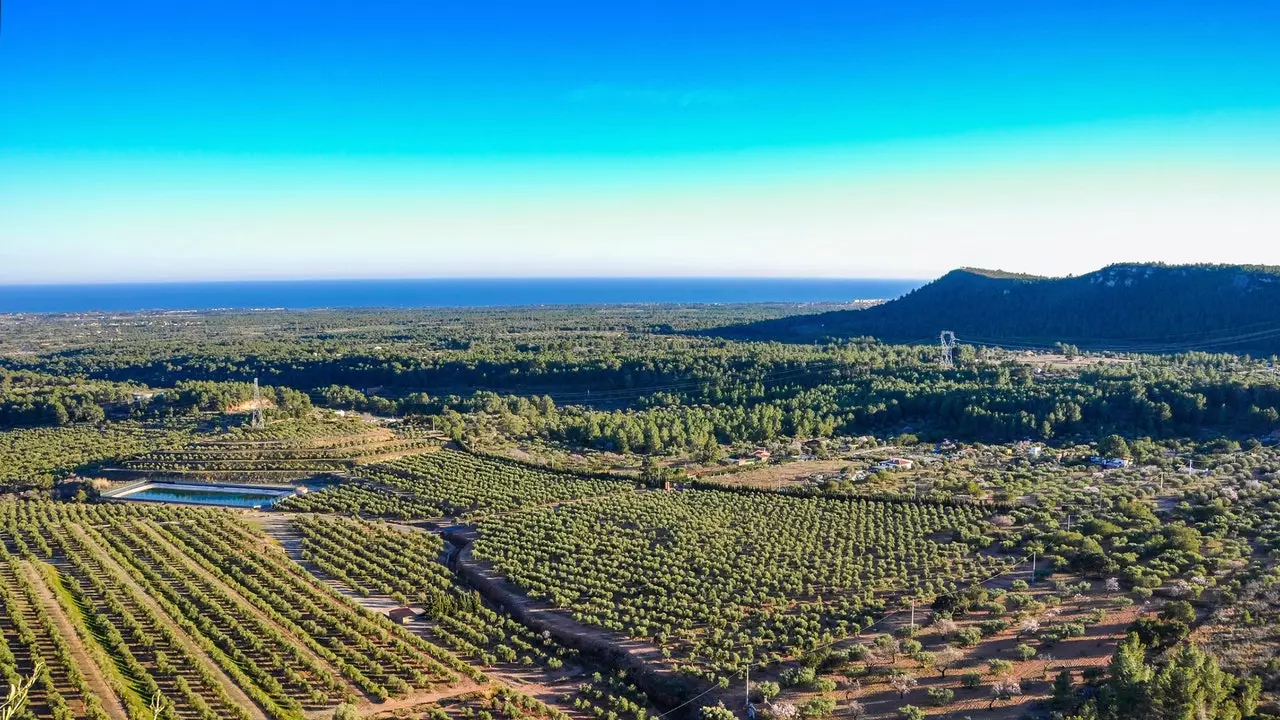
[913, 613]
[1033, 566]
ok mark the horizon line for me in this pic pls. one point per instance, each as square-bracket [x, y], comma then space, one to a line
[456, 278]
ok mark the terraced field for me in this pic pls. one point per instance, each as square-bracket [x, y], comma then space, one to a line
[287, 453]
[452, 483]
[32, 457]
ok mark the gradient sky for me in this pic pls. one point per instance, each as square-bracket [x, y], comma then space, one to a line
[161, 140]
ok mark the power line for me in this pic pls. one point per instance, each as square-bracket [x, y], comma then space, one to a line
[1136, 345]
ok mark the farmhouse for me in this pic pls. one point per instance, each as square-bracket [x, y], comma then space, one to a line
[895, 464]
[402, 615]
[759, 455]
[1110, 463]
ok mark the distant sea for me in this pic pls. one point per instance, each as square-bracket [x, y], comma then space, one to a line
[461, 292]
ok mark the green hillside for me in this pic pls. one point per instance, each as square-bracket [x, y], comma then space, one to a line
[1141, 307]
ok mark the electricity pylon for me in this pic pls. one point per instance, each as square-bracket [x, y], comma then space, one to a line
[946, 341]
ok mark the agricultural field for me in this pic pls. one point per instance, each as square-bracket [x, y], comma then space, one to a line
[36, 457]
[722, 579]
[778, 476]
[492, 704]
[405, 565]
[718, 579]
[193, 611]
[452, 483]
[997, 651]
[280, 452]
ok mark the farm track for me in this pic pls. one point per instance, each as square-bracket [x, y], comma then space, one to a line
[536, 683]
[641, 658]
[92, 673]
[644, 661]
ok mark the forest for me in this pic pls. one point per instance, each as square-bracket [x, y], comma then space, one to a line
[623, 383]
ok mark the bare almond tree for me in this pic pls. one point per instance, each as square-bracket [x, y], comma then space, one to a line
[1004, 689]
[947, 658]
[18, 692]
[903, 684]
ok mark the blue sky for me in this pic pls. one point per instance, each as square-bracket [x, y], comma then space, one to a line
[160, 140]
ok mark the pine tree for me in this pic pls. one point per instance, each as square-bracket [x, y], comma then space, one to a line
[1125, 695]
[1063, 690]
[1193, 687]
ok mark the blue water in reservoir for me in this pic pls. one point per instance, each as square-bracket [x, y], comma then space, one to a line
[245, 499]
[454, 292]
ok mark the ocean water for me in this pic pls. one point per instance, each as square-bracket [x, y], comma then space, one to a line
[460, 292]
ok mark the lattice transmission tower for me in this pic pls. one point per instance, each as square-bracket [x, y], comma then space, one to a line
[946, 342]
[257, 420]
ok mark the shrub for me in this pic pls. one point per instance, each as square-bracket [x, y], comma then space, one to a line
[992, 627]
[999, 667]
[794, 677]
[716, 712]
[941, 696]
[768, 689]
[910, 712]
[968, 637]
[818, 707]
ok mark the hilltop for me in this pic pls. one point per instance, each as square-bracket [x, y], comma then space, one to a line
[1147, 307]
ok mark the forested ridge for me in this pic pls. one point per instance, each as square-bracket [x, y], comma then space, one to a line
[1134, 307]
[619, 382]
